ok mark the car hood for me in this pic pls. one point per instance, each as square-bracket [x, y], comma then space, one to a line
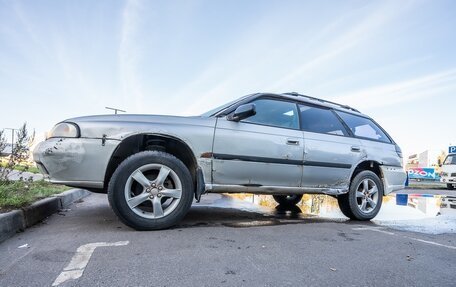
[120, 126]
[131, 118]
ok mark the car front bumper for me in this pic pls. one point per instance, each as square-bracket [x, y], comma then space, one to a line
[79, 162]
[393, 178]
[448, 179]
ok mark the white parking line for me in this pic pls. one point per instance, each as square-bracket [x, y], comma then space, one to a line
[78, 263]
[432, 243]
[377, 229]
[380, 229]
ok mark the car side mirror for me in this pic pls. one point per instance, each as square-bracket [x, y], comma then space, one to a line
[242, 112]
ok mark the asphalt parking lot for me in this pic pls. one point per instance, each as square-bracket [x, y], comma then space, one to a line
[223, 242]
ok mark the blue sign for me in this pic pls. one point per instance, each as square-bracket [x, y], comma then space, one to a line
[401, 199]
[423, 173]
[452, 149]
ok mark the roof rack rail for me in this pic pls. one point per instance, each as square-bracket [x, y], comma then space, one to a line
[323, 101]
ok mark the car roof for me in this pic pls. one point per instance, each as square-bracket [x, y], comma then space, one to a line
[296, 97]
[313, 101]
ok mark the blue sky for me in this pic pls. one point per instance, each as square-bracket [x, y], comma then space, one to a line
[393, 60]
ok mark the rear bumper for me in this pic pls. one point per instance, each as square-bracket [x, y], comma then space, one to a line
[393, 178]
[79, 162]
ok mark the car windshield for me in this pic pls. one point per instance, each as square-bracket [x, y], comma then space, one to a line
[222, 107]
[451, 159]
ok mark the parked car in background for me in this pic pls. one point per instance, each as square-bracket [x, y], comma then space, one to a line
[285, 145]
[448, 172]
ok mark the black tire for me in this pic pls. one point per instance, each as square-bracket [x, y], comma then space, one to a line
[117, 190]
[450, 186]
[291, 199]
[344, 206]
[349, 202]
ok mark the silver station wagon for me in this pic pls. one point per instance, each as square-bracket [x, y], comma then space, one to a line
[284, 145]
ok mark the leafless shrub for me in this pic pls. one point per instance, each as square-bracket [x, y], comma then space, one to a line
[2, 141]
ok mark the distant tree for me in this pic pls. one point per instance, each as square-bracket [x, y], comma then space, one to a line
[2, 141]
[20, 152]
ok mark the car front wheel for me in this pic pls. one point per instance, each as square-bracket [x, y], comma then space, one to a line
[450, 186]
[151, 190]
[364, 199]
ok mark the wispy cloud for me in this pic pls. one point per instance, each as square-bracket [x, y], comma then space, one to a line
[400, 91]
[260, 63]
[130, 54]
[173, 58]
[360, 32]
[29, 29]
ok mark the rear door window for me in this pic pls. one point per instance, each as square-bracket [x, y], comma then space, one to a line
[318, 120]
[363, 127]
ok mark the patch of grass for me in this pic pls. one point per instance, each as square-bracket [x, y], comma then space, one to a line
[17, 194]
[22, 167]
[32, 169]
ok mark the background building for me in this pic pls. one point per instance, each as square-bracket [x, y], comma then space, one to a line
[427, 158]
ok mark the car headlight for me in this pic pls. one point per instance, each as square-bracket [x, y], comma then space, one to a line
[64, 130]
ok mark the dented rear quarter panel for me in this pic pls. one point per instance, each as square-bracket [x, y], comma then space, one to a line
[385, 154]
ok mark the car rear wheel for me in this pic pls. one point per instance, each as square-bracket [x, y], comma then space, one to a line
[450, 186]
[151, 190]
[364, 199]
[344, 206]
[292, 199]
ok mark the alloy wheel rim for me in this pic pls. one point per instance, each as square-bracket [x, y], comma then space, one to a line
[153, 191]
[367, 196]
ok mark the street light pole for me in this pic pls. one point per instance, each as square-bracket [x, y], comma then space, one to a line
[12, 137]
[115, 110]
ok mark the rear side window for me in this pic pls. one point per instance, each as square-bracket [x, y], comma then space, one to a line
[319, 120]
[364, 127]
[275, 113]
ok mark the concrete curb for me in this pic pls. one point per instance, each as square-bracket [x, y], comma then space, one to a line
[17, 220]
[68, 197]
[10, 223]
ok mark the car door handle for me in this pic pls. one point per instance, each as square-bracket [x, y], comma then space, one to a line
[292, 142]
[355, 148]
